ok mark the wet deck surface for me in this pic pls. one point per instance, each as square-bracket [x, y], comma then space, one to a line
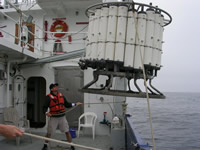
[100, 142]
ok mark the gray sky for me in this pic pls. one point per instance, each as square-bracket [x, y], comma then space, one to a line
[181, 52]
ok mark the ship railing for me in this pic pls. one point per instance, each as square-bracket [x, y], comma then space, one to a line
[71, 39]
[133, 139]
[21, 42]
[20, 4]
[79, 37]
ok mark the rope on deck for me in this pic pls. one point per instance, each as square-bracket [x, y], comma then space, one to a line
[61, 142]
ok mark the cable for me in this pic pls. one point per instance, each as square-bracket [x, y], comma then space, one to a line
[79, 31]
[87, 104]
[61, 142]
[146, 90]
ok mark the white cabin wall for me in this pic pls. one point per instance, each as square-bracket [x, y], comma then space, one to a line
[71, 19]
[45, 48]
[10, 26]
[2, 93]
[101, 129]
[45, 71]
[108, 104]
[37, 19]
[48, 73]
[6, 99]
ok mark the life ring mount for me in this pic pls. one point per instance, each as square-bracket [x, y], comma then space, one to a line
[59, 26]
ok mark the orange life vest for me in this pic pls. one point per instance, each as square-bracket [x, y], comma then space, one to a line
[56, 104]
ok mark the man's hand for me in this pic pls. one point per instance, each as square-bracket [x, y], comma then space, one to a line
[10, 131]
[48, 114]
[79, 103]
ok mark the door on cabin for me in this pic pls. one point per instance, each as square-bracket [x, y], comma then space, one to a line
[36, 92]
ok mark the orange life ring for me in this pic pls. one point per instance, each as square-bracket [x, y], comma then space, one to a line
[59, 25]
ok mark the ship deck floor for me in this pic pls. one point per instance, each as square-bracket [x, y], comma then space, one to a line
[100, 142]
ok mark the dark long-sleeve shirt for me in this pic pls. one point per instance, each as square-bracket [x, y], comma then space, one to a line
[47, 103]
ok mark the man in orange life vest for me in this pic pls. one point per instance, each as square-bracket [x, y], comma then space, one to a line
[56, 103]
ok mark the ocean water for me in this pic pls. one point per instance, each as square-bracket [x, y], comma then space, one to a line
[176, 120]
